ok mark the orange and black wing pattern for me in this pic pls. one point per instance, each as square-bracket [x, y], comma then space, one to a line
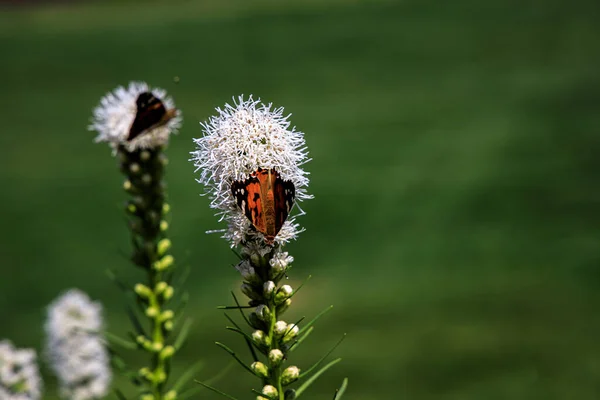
[266, 200]
[150, 112]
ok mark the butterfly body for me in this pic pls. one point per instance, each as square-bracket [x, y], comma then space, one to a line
[266, 200]
[151, 112]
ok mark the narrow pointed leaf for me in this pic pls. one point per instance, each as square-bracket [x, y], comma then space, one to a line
[183, 333]
[302, 338]
[315, 319]
[215, 390]
[117, 340]
[308, 371]
[313, 378]
[232, 353]
[120, 394]
[187, 375]
[340, 392]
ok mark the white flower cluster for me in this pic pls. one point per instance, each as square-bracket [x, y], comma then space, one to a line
[113, 117]
[19, 374]
[243, 137]
[74, 347]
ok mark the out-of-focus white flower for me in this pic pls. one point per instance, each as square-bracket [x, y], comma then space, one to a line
[114, 116]
[242, 138]
[19, 374]
[74, 347]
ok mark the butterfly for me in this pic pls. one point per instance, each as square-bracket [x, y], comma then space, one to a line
[266, 200]
[151, 112]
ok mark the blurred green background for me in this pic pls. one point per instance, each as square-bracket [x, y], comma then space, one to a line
[455, 145]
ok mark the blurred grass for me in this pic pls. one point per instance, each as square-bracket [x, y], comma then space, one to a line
[455, 146]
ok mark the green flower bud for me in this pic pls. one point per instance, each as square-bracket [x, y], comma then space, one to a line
[260, 369]
[131, 208]
[269, 391]
[145, 155]
[268, 289]
[163, 159]
[127, 185]
[157, 346]
[142, 290]
[166, 208]
[164, 263]
[260, 338]
[168, 292]
[289, 375]
[291, 333]
[168, 325]
[160, 287]
[290, 394]
[275, 356]
[281, 328]
[167, 352]
[145, 372]
[166, 315]
[141, 339]
[284, 293]
[284, 306]
[263, 312]
[152, 312]
[164, 225]
[147, 396]
[171, 395]
[255, 259]
[163, 246]
[161, 376]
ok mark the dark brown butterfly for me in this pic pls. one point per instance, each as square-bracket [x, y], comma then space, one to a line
[151, 113]
[266, 200]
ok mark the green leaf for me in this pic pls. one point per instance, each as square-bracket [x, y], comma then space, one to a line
[313, 378]
[302, 338]
[187, 375]
[215, 390]
[339, 392]
[308, 371]
[232, 353]
[135, 322]
[241, 312]
[311, 323]
[300, 287]
[120, 394]
[183, 333]
[117, 340]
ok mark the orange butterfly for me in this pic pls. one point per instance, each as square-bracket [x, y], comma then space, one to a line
[266, 199]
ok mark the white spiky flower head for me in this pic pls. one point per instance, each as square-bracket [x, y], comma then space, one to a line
[19, 373]
[74, 347]
[112, 118]
[239, 140]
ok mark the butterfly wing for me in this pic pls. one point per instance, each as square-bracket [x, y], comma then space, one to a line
[247, 195]
[150, 111]
[284, 194]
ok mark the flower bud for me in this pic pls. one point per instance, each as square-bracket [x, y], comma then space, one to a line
[127, 185]
[290, 394]
[167, 352]
[289, 375]
[247, 271]
[269, 390]
[166, 208]
[151, 312]
[142, 290]
[163, 246]
[146, 179]
[268, 289]
[157, 346]
[263, 312]
[249, 291]
[284, 293]
[134, 168]
[168, 325]
[164, 225]
[260, 369]
[147, 396]
[166, 315]
[164, 263]
[171, 395]
[281, 328]
[169, 293]
[131, 208]
[160, 287]
[256, 322]
[284, 306]
[260, 338]
[145, 155]
[275, 356]
[279, 264]
[291, 333]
